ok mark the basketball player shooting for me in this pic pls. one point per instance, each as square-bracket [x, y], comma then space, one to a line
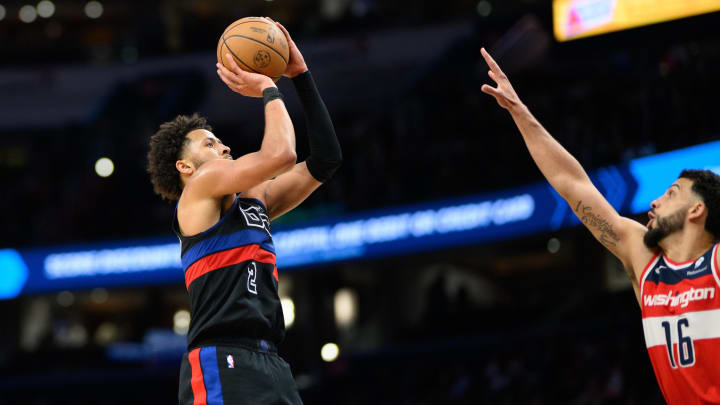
[222, 220]
[672, 262]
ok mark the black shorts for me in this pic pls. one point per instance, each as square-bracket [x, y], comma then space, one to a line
[222, 375]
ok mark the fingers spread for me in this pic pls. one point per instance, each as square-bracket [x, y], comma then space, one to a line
[242, 76]
[234, 79]
[491, 62]
[490, 90]
[224, 79]
[224, 72]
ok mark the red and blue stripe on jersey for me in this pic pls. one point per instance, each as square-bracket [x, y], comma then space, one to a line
[232, 279]
[225, 250]
[681, 320]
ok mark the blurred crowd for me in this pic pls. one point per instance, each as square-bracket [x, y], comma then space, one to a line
[593, 356]
[436, 137]
[433, 135]
[565, 368]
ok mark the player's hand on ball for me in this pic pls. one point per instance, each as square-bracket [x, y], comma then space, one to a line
[504, 92]
[246, 83]
[296, 63]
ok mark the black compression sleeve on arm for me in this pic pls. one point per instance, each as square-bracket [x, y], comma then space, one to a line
[325, 154]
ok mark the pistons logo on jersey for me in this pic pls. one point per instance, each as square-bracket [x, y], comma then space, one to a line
[255, 216]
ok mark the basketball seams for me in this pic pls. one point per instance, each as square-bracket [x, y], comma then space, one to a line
[223, 44]
[259, 20]
[275, 78]
[259, 42]
[236, 57]
[245, 22]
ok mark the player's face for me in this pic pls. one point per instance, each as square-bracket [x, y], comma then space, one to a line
[205, 146]
[668, 212]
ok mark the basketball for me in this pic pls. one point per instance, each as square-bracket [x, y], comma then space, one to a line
[257, 46]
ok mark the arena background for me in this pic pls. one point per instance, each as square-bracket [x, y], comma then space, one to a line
[457, 276]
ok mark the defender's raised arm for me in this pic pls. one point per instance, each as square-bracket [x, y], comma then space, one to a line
[622, 236]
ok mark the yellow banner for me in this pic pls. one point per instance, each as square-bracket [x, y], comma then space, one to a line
[574, 19]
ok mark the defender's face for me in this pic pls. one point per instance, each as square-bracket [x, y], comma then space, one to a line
[669, 212]
[678, 197]
[203, 147]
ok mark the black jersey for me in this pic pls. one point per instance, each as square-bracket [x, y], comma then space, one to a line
[232, 279]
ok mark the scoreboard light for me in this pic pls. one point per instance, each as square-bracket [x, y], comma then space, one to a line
[573, 19]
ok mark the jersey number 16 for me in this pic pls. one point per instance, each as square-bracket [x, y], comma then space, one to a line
[686, 352]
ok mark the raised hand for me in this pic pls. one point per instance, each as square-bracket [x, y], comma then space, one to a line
[296, 64]
[246, 83]
[504, 92]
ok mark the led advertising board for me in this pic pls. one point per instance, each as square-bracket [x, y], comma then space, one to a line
[387, 232]
[573, 19]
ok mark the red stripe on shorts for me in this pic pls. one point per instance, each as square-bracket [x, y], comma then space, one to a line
[197, 383]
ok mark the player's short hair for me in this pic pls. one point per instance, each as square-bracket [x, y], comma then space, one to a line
[166, 147]
[706, 184]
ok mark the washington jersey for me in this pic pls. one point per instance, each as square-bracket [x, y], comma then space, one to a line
[681, 321]
[231, 277]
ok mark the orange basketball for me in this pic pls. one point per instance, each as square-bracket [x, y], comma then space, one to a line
[257, 45]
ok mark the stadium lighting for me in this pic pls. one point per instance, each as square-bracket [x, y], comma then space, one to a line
[46, 9]
[553, 245]
[181, 322]
[484, 8]
[75, 335]
[106, 333]
[345, 303]
[104, 167]
[99, 295]
[94, 9]
[2, 12]
[288, 307]
[329, 352]
[65, 298]
[27, 14]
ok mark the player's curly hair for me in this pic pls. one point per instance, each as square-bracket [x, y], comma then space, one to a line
[706, 184]
[166, 147]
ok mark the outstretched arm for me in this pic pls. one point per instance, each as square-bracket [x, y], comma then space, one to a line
[290, 189]
[622, 236]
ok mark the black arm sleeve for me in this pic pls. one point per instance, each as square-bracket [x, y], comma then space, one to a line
[325, 154]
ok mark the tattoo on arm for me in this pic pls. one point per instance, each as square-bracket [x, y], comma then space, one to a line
[607, 236]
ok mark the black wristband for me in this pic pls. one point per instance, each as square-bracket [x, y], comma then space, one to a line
[270, 94]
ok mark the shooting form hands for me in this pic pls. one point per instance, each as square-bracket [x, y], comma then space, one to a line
[246, 83]
[296, 63]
